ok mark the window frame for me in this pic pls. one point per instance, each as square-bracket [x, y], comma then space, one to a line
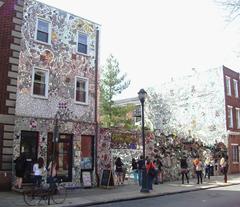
[228, 85]
[238, 118]
[75, 89]
[78, 33]
[46, 82]
[49, 31]
[235, 87]
[230, 119]
[235, 153]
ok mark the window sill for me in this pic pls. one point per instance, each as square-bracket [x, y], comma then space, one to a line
[43, 43]
[235, 163]
[81, 103]
[83, 54]
[40, 97]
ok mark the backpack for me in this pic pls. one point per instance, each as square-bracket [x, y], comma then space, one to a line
[152, 171]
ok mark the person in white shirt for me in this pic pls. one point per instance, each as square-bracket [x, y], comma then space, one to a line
[38, 170]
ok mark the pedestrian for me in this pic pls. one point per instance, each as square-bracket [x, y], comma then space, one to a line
[141, 165]
[224, 166]
[20, 166]
[184, 169]
[207, 167]
[52, 172]
[119, 170]
[159, 175]
[198, 168]
[135, 170]
[38, 170]
[151, 173]
[212, 163]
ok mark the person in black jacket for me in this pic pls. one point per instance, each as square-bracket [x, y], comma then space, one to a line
[119, 171]
[141, 165]
[184, 169]
[20, 165]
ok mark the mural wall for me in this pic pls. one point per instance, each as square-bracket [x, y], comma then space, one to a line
[195, 106]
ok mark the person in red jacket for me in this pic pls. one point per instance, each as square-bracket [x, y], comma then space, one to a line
[151, 173]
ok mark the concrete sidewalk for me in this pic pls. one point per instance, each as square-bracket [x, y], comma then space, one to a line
[128, 191]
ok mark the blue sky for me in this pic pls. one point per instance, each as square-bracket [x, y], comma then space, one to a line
[156, 39]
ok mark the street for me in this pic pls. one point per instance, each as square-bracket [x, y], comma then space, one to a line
[219, 197]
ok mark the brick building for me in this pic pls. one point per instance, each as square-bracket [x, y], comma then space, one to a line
[49, 74]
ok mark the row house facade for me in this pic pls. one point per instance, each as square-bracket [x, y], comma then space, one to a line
[205, 105]
[49, 76]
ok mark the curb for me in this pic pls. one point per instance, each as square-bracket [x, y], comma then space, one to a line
[150, 196]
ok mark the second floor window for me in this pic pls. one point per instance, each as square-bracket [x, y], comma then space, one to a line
[228, 86]
[40, 82]
[235, 82]
[81, 90]
[82, 43]
[230, 116]
[43, 31]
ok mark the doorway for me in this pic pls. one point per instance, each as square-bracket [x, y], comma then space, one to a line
[29, 146]
[63, 155]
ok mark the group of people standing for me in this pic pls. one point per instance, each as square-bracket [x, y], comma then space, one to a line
[153, 171]
[206, 168]
[38, 170]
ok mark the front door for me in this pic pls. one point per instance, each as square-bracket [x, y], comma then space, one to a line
[63, 155]
[29, 146]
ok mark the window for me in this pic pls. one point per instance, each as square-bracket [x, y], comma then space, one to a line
[230, 116]
[235, 153]
[228, 86]
[43, 31]
[81, 90]
[238, 117]
[235, 85]
[82, 43]
[40, 82]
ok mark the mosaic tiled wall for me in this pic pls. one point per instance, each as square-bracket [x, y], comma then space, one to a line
[63, 62]
[197, 106]
[60, 58]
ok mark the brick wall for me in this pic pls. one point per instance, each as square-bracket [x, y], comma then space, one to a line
[10, 38]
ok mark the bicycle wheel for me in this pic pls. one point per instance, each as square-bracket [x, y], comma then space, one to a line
[59, 194]
[31, 198]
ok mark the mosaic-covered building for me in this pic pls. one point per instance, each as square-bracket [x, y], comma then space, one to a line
[51, 75]
[205, 105]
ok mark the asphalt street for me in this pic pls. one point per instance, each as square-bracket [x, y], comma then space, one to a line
[216, 197]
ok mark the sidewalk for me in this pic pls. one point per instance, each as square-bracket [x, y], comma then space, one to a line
[88, 197]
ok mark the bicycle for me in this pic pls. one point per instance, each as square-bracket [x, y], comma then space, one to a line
[56, 192]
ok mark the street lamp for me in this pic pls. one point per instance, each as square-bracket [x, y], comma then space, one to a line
[142, 95]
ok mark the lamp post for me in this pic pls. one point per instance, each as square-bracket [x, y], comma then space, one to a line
[142, 95]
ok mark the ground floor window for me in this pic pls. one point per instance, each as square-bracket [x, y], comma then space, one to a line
[86, 152]
[235, 153]
[63, 155]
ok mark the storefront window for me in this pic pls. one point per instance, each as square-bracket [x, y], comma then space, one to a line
[86, 152]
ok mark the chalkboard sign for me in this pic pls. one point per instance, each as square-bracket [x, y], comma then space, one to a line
[107, 179]
[86, 178]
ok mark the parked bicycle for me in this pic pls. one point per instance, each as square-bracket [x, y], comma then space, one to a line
[55, 192]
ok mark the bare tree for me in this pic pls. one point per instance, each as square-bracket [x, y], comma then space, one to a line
[232, 7]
